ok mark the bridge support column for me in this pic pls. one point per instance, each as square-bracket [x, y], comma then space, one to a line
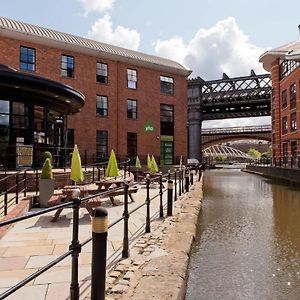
[195, 139]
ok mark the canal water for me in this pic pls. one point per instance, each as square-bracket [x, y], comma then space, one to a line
[248, 240]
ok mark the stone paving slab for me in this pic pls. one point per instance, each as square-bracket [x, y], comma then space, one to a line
[31, 243]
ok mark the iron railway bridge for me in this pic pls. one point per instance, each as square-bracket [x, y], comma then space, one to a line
[225, 98]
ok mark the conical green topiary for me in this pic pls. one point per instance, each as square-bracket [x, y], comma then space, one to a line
[47, 170]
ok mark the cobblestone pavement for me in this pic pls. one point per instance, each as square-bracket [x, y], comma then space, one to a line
[34, 242]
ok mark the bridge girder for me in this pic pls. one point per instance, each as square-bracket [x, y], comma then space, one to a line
[225, 98]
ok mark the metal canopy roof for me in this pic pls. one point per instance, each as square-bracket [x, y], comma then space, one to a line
[25, 87]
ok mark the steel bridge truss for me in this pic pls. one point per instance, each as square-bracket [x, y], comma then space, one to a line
[220, 150]
[231, 97]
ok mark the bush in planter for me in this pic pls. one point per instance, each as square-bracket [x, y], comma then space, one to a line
[47, 170]
[46, 183]
[45, 155]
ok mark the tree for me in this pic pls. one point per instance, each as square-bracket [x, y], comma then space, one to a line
[253, 152]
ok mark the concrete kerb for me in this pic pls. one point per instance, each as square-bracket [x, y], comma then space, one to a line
[157, 267]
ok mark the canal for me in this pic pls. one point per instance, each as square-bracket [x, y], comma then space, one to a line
[248, 239]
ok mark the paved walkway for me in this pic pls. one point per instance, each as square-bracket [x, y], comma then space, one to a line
[32, 243]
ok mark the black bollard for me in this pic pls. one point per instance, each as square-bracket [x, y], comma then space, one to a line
[99, 240]
[187, 181]
[179, 183]
[170, 198]
[175, 185]
[191, 177]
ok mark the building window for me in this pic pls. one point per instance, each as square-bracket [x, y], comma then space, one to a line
[131, 79]
[27, 58]
[131, 109]
[101, 106]
[101, 73]
[284, 99]
[293, 96]
[166, 119]
[101, 145]
[166, 85]
[67, 66]
[293, 121]
[284, 125]
[131, 144]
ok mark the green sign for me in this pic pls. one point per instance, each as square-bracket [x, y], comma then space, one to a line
[149, 126]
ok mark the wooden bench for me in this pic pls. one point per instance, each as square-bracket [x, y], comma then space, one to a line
[90, 204]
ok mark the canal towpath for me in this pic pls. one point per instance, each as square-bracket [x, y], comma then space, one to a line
[157, 263]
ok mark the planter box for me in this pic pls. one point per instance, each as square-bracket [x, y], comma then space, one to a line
[46, 187]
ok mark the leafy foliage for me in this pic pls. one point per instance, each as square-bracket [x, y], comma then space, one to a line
[47, 170]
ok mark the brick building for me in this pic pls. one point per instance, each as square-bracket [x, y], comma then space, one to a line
[283, 64]
[134, 103]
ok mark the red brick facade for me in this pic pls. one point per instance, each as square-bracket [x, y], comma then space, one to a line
[85, 123]
[286, 143]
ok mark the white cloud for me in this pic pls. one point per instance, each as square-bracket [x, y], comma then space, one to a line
[221, 48]
[102, 31]
[96, 5]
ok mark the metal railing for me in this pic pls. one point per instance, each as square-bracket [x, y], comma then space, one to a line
[182, 180]
[291, 162]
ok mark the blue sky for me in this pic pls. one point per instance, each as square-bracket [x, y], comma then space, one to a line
[209, 37]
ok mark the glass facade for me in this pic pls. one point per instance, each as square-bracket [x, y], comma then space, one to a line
[27, 58]
[28, 124]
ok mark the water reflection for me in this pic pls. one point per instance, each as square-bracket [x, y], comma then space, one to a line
[248, 240]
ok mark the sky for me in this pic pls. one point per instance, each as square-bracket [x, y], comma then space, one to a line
[207, 36]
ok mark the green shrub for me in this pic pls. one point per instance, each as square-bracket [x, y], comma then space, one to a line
[47, 170]
[45, 155]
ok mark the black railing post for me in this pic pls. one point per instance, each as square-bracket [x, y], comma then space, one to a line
[182, 179]
[75, 247]
[25, 183]
[99, 253]
[191, 177]
[187, 181]
[98, 175]
[179, 183]
[93, 176]
[125, 252]
[199, 173]
[170, 198]
[5, 197]
[161, 208]
[17, 188]
[147, 229]
[175, 185]
[36, 181]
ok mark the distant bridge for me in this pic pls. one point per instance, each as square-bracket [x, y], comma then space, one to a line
[212, 136]
[229, 152]
[238, 97]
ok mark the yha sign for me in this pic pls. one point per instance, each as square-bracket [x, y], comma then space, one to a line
[149, 126]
